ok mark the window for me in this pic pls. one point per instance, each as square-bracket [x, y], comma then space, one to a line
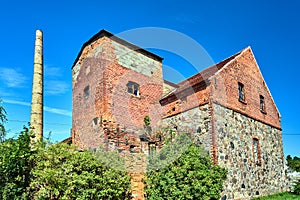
[262, 103]
[86, 92]
[133, 88]
[241, 92]
[256, 151]
[95, 121]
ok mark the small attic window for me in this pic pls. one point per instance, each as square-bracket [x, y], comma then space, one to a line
[86, 92]
[133, 88]
[241, 92]
[262, 103]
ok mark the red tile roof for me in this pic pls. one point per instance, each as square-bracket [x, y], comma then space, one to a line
[202, 76]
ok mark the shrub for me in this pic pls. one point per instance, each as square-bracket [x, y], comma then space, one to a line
[191, 176]
[62, 172]
[297, 188]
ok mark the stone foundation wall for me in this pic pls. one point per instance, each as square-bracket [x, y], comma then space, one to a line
[195, 121]
[248, 177]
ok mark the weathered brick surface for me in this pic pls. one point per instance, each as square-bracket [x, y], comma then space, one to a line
[244, 69]
[206, 105]
[99, 69]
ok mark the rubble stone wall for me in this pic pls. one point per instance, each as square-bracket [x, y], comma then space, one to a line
[248, 177]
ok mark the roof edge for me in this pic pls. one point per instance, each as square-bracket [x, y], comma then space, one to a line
[105, 33]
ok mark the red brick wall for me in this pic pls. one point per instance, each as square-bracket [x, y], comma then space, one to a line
[245, 70]
[129, 110]
[85, 134]
[185, 100]
[109, 99]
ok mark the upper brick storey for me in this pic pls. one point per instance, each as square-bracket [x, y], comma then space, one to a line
[244, 70]
[115, 82]
[219, 84]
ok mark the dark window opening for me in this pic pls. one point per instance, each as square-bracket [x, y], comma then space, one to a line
[241, 92]
[133, 88]
[86, 92]
[132, 149]
[95, 121]
[262, 103]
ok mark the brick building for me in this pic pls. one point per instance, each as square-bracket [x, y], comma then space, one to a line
[228, 108]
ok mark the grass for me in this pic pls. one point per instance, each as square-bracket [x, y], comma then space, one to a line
[280, 196]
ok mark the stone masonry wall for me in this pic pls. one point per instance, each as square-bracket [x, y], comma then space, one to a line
[247, 177]
[136, 61]
[195, 121]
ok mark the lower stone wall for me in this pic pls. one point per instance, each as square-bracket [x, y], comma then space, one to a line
[195, 121]
[248, 177]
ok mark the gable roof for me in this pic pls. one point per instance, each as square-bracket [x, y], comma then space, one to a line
[104, 33]
[202, 77]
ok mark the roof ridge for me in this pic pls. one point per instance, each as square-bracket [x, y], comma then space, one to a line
[220, 64]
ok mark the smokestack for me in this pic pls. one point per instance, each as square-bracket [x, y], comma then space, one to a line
[36, 117]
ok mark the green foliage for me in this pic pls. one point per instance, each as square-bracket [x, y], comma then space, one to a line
[190, 176]
[61, 172]
[297, 188]
[280, 196]
[57, 171]
[15, 166]
[147, 120]
[3, 119]
[293, 163]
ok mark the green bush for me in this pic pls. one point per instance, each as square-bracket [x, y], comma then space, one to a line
[57, 171]
[297, 188]
[61, 172]
[15, 166]
[191, 175]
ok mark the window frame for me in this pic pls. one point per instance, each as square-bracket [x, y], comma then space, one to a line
[133, 88]
[241, 92]
[262, 104]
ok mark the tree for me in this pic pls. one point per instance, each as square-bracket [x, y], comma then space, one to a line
[191, 176]
[15, 166]
[293, 163]
[3, 119]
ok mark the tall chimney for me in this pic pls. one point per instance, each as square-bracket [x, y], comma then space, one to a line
[36, 117]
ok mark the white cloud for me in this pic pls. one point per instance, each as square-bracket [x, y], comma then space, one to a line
[46, 108]
[11, 78]
[58, 111]
[55, 87]
[52, 71]
[16, 102]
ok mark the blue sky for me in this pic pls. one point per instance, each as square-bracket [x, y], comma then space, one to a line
[223, 28]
